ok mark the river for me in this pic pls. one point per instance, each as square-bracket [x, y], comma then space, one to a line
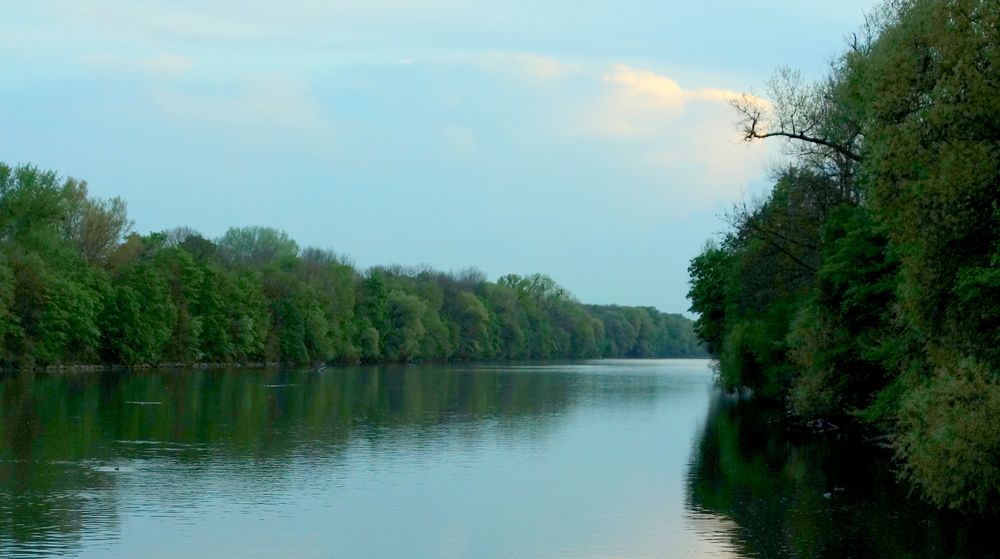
[596, 459]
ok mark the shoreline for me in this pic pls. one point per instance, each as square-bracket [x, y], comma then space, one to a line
[106, 367]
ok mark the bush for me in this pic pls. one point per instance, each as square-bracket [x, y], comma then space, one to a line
[949, 443]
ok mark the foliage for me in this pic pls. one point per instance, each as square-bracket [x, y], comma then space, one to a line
[950, 439]
[709, 274]
[256, 245]
[77, 287]
[866, 284]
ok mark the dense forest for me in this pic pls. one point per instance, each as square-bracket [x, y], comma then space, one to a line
[78, 287]
[866, 285]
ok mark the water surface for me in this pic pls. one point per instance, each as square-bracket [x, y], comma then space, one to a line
[596, 459]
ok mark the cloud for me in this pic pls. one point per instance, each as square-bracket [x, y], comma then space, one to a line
[678, 141]
[160, 66]
[645, 89]
[712, 94]
[703, 159]
[640, 101]
[522, 65]
[667, 148]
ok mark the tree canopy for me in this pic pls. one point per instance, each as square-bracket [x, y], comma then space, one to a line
[867, 284]
[78, 286]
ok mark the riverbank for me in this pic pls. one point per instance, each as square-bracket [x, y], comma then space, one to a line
[83, 368]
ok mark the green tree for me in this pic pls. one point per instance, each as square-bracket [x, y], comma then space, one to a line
[140, 316]
[402, 343]
[866, 282]
[95, 227]
[474, 327]
[256, 245]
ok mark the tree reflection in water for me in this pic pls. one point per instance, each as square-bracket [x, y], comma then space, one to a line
[68, 441]
[799, 494]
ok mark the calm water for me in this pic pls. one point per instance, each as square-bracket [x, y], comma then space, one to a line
[602, 459]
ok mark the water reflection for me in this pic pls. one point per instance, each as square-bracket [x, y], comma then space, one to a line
[68, 442]
[567, 460]
[80, 454]
[790, 494]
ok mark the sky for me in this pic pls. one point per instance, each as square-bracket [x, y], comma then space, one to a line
[590, 141]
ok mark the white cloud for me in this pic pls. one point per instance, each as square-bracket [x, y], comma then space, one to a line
[645, 89]
[680, 139]
[704, 159]
[641, 101]
[522, 65]
[160, 66]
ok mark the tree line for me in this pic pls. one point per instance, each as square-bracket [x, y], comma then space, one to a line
[866, 284]
[77, 286]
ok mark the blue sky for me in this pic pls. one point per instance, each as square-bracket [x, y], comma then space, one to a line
[587, 140]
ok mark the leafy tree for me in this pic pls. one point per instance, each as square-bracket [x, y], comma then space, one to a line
[474, 327]
[94, 227]
[8, 320]
[140, 316]
[866, 284]
[31, 206]
[949, 439]
[256, 245]
[709, 275]
[402, 343]
[76, 286]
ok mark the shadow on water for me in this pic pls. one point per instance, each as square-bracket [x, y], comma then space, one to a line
[791, 494]
[67, 441]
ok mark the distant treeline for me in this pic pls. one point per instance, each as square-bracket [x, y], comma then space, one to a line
[76, 287]
[866, 285]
